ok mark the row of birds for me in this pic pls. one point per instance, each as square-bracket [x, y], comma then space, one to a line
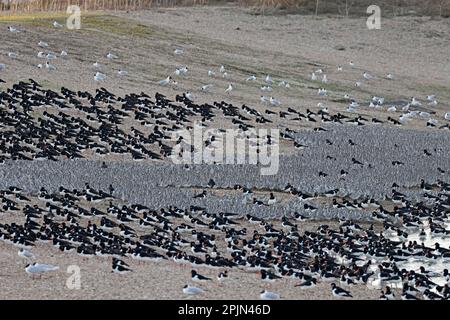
[44, 124]
[350, 255]
[376, 102]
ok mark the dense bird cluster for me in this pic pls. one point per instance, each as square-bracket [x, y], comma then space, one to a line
[350, 165]
[92, 222]
[44, 124]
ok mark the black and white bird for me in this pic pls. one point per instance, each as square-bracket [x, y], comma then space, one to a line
[195, 276]
[339, 292]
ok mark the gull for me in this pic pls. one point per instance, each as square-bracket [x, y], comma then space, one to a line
[319, 71]
[322, 92]
[415, 102]
[354, 104]
[266, 89]
[25, 254]
[324, 79]
[431, 97]
[63, 53]
[367, 76]
[313, 76]
[225, 75]
[165, 82]
[12, 29]
[346, 96]
[184, 70]
[222, 69]
[350, 109]
[2, 66]
[392, 109]
[406, 107]
[211, 73]
[424, 114]
[339, 68]
[269, 79]
[12, 55]
[41, 54]
[358, 84]
[404, 118]
[111, 56]
[99, 77]
[122, 73]
[264, 99]
[49, 66]
[43, 44]
[190, 96]
[378, 100]
[284, 84]
[433, 103]
[229, 89]
[96, 65]
[40, 66]
[447, 116]
[51, 56]
[181, 71]
[187, 289]
[267, 295]
[351, 63]
[178, 51]
[56, 24]
[251, 78]
[206, 87]
[38, 268]
[274, 101]
[389, 76]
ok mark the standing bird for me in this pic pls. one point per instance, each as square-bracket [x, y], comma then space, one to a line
[229, 89]
[198, 277]
[222, 276]
[339, 292]
[165, 82]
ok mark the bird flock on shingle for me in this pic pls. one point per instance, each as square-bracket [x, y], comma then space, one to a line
[398, 113]
[44, 124]
[350, 167]
[92, 223]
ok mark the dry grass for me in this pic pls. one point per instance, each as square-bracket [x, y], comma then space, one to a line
[62, 5]
[340, 7]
